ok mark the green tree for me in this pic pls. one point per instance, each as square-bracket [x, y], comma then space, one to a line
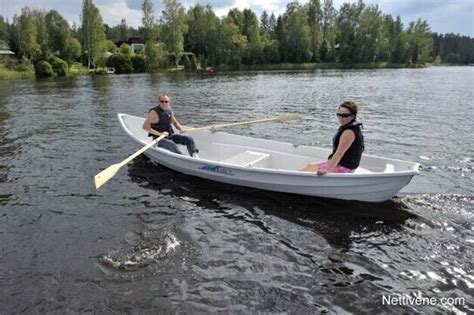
[203, 25]
[39, 17]
[237, 17]
[452, 48]
[92, 31]
[251, 31]
[58, 33]
[123, 30]
[298, 39]
[328, 31]
[272, 22]
[347, 25]
[73, 49]
[420, 42]
[150, 29]
[264, 24]
[174, 27]
[154, 56]
[281, 35]
[107, 45]
[26, 34]
[370, 35]
[3, 33]
[231, 44]
[315, 21]
[271, 53]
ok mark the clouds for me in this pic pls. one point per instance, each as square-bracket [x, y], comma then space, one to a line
[115, 10]
[444, 16]
[275, 6]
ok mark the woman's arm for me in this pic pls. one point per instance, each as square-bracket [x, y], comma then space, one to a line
[346, 140]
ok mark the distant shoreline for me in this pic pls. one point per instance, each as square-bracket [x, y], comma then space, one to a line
[8, 75]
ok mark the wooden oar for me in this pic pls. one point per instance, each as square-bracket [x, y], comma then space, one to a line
[104, 176]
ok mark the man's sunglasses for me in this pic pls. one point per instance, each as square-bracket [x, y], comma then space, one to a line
[164, 101]
[343, 115]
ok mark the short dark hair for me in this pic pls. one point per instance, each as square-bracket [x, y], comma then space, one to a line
[163, 94]
[351, 106]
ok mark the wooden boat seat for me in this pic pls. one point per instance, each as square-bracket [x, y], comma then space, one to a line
[389, 168]
[247, 158]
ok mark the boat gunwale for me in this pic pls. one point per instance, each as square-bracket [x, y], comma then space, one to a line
[412, 172]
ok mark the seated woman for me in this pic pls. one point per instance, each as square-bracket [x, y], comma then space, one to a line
[347, 144]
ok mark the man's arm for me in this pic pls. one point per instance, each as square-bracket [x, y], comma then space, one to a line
[177, 124]
[152, 118]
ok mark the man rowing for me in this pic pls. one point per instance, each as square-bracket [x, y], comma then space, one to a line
[160, 121]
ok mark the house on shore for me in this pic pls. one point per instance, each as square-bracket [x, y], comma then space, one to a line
[6, 54]
[136, 43]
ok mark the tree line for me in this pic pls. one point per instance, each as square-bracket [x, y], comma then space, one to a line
[311, 32]
[452, 48]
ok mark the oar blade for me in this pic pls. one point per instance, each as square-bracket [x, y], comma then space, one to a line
[104, 176]
[287, 117]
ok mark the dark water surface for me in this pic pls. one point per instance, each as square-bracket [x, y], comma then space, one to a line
[153, 240]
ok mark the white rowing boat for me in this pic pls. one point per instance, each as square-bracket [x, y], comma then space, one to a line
[273, 165]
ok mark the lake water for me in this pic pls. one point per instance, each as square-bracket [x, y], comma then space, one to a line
[153, 240]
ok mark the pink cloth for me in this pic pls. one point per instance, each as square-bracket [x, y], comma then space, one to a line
[337, 169]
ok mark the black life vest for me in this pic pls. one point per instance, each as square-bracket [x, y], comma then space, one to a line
[165, 120]
[351, 158]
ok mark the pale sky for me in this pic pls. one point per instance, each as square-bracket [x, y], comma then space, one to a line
[444, 16]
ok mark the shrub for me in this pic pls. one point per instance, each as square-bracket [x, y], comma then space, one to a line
[43, 69]
[120, 62]
[11, 64]
[59, 66]
[25, 65]
[138, 63]
[108, 46]
[126, 50]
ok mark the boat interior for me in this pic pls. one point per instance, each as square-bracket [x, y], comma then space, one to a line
[250, 152]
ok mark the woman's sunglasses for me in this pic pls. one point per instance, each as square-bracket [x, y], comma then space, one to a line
[343, 115]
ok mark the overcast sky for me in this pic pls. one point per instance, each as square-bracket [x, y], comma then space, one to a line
[444, 16]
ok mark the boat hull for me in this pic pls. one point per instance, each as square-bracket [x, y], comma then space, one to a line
[372, 187]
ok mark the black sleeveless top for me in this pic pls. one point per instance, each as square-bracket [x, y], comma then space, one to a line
[351, 158]
[165, 121]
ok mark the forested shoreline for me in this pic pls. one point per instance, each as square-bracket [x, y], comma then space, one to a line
[305, 36]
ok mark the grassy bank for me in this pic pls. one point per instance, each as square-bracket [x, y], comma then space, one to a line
[77, 69]
[8, 74]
